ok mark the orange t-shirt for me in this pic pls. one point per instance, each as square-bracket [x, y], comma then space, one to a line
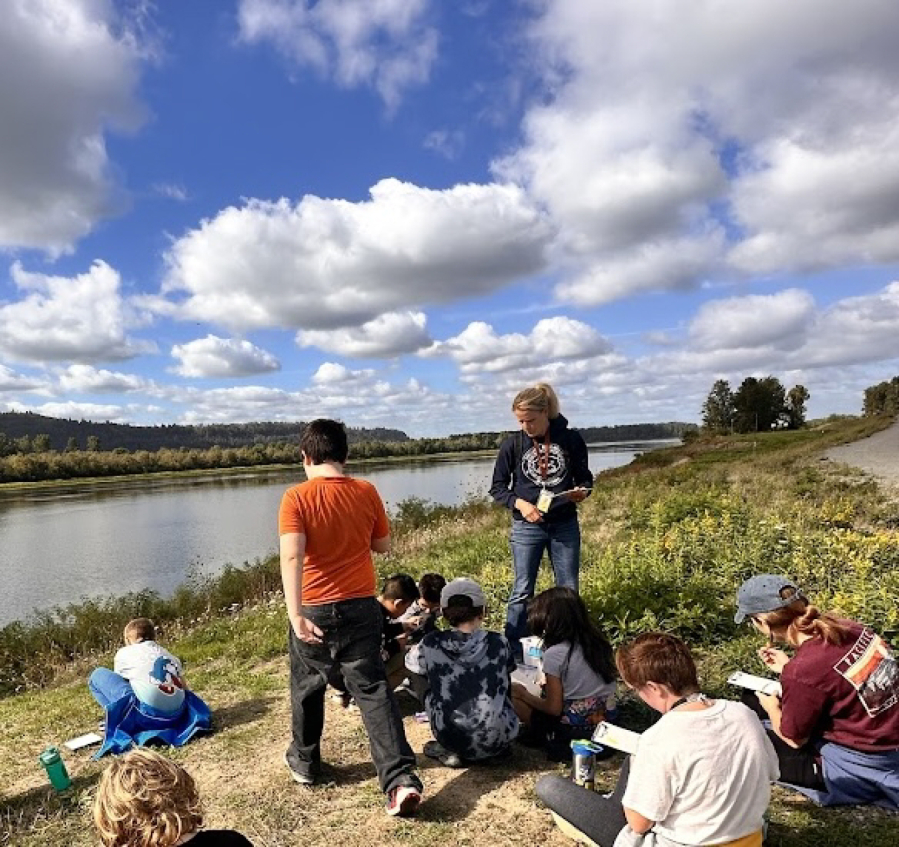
[340, 516]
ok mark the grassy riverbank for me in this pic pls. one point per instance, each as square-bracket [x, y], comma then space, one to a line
[666, 542]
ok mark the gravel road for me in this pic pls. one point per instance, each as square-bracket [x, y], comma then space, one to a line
[878, 454]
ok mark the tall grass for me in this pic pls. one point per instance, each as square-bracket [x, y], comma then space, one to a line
[667, 541]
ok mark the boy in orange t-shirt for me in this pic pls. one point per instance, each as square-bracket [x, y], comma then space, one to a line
[328, 527]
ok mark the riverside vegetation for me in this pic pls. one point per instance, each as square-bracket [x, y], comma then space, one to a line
[667, 540]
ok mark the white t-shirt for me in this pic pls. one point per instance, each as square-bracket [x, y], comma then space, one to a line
[579, 680]
[154, 674]
[703, 776]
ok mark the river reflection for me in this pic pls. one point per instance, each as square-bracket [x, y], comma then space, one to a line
[68, 542]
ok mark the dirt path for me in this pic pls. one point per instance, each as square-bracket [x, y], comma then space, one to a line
[242, 778]
[877, 455]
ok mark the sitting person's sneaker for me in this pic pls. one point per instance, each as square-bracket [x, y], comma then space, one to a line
[435, 750]
[299, 776]
[403, 800]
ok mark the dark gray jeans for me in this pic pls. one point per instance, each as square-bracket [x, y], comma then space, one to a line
[598, 817]
[352, 643]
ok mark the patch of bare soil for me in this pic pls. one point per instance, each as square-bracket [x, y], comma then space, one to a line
[241, 775]
[877, 455]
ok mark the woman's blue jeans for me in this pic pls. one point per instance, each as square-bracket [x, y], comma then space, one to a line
[528, 541]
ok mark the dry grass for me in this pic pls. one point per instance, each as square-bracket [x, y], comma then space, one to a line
[241, 775]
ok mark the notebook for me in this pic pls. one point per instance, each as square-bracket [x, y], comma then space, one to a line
[85, 740]
[755, 683]
[609, 735]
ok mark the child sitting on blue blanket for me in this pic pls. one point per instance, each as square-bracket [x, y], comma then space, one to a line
[145, 696]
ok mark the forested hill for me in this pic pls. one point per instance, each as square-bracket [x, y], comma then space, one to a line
[15, 425]
[636, 432]
[68, 434]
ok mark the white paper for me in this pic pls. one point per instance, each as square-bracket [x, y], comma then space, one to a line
[532, 649]
[529, 677]
[85, 740]
[609, 735]
[755, 683]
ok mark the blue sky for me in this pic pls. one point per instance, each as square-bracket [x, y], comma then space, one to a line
[400, 212]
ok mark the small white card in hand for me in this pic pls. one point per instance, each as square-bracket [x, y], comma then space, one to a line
[544, 501]
[609, 735]
[755, 683]
[85, 740]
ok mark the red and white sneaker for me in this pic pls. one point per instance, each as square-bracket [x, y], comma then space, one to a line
[403, 800]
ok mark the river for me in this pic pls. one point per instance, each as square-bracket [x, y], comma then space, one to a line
[65, 543]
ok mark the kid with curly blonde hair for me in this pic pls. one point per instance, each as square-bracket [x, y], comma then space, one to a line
[147, 800]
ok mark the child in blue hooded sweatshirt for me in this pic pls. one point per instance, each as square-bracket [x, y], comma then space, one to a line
[465, 676]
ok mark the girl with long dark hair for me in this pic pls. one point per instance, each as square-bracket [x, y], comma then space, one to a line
[578, 666]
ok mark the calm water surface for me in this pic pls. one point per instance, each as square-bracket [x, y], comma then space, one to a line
[63, 544]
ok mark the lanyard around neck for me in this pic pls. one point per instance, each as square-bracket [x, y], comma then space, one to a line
[697, 697]
[543, 455]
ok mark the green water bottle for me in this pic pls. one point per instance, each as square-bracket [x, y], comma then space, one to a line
[56, 769]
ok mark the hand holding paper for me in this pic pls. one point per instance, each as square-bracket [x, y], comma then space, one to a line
[774, 659]
[760, 684]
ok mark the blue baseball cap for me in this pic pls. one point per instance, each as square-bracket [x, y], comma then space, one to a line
[765, 593]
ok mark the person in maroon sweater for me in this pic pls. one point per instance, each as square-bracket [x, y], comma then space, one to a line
[835, 725]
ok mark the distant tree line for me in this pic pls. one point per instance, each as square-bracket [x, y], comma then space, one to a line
[636, 432]
[32, 458]
[758, 405]
[883, 398]
[69, 434]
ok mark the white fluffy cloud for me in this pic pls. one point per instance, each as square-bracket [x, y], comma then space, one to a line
[856, 330]
[78, 411]
[331, 374]
[12, 381]
[690, 143]
[814, 208]
[359, 397]
[81, 319]
[322, 264]
[69, 72]
[834, 351]
[84, 379]
[221, 357]
[780, 320]
[385, 336]
[784, 332]
[671, 264]
[385, 44]
[478, 349]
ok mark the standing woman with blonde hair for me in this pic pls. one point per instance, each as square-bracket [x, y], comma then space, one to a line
[541, 472]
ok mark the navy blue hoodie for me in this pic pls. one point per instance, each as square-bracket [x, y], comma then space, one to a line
[517, 470]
